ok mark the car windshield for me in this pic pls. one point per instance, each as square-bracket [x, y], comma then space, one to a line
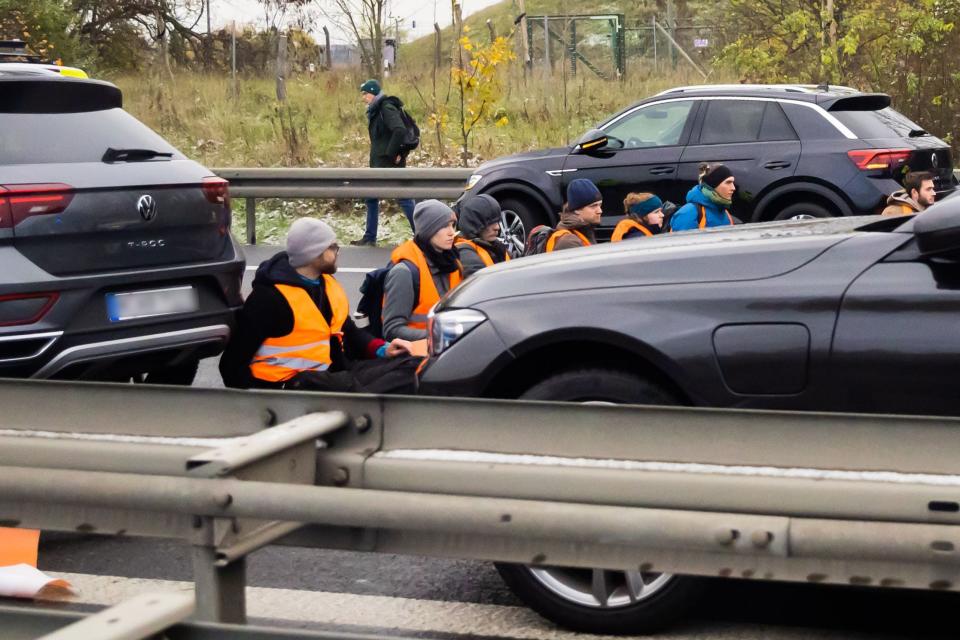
[43, 138]
[885, 123]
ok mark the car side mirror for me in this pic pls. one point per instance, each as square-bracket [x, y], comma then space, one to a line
[592, 140]
[937, 229]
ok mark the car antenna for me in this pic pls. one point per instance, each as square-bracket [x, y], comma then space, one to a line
[823, 86]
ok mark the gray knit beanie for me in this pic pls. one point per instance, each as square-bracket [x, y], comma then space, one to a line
[307, 239]
[430, 216]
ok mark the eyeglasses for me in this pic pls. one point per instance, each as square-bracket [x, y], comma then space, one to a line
[336, 249]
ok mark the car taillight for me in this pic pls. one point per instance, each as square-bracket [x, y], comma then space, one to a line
[25, 308]
[21, 201]
[883, 159]
[216, 190]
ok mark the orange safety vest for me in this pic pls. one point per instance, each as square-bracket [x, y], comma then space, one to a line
[429, 295]
[625, 226]
[559, 233]
[307, 346]
[483, 253]
[702, 216]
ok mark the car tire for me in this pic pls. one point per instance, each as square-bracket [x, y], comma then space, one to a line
[556, 594]
[182, 374]
[600, 385]
[565, 595]
[804, 211]
[529, 214]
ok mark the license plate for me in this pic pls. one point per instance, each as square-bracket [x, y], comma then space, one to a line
[147, 304]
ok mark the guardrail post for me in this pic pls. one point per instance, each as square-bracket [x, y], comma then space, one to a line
[251, 221]
[219, 590]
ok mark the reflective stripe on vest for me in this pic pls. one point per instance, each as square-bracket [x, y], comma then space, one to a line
[559, 233]
[307, 346]
[429, 295]
[483, 253]
[625, 226]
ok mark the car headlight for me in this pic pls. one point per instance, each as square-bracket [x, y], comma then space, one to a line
[447, 327]
[471, 183]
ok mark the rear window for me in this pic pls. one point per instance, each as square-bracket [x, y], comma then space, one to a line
[885, 123]
[42, 138]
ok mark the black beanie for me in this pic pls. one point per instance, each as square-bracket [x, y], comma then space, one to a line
[716, 175]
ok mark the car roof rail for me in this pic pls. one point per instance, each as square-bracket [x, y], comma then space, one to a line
[786, 88]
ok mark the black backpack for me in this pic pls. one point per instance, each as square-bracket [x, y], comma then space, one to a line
[371, 295]
[537, 240]
[411, 138]
[411, 135]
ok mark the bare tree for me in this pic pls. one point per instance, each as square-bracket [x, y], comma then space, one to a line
[365, 21]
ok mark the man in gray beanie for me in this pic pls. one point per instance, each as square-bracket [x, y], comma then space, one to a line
[295, 330]
[424, 270]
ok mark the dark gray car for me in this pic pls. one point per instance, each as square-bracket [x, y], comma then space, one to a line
[116, 258]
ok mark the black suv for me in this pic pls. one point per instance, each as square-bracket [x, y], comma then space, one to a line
[796, 151]
[116, 259]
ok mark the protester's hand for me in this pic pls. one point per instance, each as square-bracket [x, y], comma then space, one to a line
[398, 347]
[655, 218]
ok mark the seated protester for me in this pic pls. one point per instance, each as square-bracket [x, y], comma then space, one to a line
[437, 270]
[643, 217]
[919, 192]
[477, 243]
[707, 202]
[580, 215]
[295, 332]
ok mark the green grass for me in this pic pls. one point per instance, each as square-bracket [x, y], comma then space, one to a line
[323, 123]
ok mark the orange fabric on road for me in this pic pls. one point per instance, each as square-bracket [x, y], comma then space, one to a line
[19, 546]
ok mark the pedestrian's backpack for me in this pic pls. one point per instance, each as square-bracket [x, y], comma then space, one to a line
[372, 291]
[411, 137]
[537, 240]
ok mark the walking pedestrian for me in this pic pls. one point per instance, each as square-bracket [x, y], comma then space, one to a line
[295, 332]
[387, 130]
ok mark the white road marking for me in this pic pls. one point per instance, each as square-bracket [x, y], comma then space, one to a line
[339, 269]
[486, 457]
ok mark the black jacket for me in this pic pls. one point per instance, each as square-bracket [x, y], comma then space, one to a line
[266, 314]
[386, 132]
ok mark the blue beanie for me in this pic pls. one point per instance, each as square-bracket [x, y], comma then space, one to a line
[580, 193]
[649, 205]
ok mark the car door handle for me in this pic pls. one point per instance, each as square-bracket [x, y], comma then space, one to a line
[659, 171]
[777, 164]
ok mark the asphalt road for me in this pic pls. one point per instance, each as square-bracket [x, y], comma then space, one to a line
[439, 598]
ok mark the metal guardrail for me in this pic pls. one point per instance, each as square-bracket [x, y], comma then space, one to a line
[807, 497]
[341, 184]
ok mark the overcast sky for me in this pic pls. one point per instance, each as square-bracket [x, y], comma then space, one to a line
[424, 12]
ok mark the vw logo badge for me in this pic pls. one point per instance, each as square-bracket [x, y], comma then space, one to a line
[147, 207]
[933, 161]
